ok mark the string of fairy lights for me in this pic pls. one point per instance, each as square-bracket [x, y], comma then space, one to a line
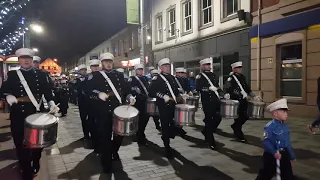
[7, 10]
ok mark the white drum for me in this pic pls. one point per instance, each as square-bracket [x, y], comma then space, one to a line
[125, 120]
[40, 130]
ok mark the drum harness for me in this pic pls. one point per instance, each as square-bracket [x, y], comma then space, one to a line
[178, 83]
[243, 92]
[209, 81]
[144, 88]
[28, 91]
[111, 85]
[169, 87]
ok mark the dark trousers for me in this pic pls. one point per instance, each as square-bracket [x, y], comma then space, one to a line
[84, 111]
[107, 146]
[63, 105]
[166, 112]
[316, 122]
[268, 170]
[156, 120]
[243, 116]
[212, 120]
[92, 120]
[26, 156]
[143, 120]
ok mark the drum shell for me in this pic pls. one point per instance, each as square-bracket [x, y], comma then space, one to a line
[151, 107]
[125, 126]
[193, 100]
[185, 117]
[229, 109]
[256, 110]
[40, 136]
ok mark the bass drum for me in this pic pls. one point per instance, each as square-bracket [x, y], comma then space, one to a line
[40, 130]
[125, 120]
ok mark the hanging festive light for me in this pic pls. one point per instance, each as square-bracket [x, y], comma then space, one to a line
[11, 40]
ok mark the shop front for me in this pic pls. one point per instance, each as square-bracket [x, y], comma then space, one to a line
[224, 50]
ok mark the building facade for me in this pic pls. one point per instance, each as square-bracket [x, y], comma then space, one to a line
[285, 51]
[190, 30]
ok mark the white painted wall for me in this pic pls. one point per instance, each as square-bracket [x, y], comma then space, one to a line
[218, 27]
[99, 50]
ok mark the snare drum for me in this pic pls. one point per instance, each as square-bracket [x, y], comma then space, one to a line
[125, 120]
[40, 130]
[184, 114]
[152, 108]
[229, 109]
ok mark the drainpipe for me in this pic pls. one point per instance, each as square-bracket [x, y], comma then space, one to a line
[259, 51]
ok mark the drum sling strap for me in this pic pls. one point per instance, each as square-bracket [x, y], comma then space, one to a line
[28, 91]
[144, 88]
[111, 85]
[178, 83]
[243, 92]
[169, 87]
[211, 84]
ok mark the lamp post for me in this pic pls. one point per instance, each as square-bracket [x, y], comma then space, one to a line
[37, 28]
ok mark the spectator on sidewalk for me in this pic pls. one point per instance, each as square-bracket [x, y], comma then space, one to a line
[316, 122]
[192, 82]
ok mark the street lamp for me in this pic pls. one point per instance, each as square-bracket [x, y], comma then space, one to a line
[35, 49]
[36, 28]
[148, 37]
[55, 60]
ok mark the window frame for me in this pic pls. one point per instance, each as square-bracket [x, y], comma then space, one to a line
[202, 25]
[184, 18]
[224, 16]
[169, 10]
[158, 30]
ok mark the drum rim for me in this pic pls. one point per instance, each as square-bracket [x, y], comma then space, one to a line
[125, 119]
[28, 125]
[179, 108]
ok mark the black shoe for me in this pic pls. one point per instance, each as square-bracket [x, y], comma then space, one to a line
[158, 128]
[182, 133]
[169, 154]
[115, 157]
[36, 166]
[142, 142]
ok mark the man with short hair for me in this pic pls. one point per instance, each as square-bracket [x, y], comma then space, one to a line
[23, 91]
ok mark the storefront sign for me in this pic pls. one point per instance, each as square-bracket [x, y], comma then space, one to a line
[130, 63]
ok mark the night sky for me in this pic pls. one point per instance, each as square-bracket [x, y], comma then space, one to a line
[72, 27]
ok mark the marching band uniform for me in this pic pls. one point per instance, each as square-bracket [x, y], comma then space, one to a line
[165, 88]
[138, 86]
[277, 140]
[83, 103]
[101, 84]
[183, 82]
[208, 85]
[93, 105]
[156, 118]
[238, 89]
[13, 89]
[62, 96]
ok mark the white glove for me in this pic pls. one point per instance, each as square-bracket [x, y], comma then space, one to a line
[212, 88]
[227, 96]
[166, 98]
[103, 96]
[190, 93]
[257, 98]
[185, 96]
[132, 100]
[53, 107]
[11, 99]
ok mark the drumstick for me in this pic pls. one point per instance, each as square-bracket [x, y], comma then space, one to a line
[52, 109]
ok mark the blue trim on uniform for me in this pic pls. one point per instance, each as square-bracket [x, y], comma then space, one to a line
[288, 24]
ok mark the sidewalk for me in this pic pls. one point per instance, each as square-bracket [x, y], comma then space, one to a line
[194, 161]
[9, 169]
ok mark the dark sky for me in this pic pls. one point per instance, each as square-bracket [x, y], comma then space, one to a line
[72, 27]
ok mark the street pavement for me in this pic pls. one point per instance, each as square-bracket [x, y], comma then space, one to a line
[70, 159]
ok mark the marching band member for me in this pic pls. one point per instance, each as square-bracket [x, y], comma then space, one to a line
[166, 90]
[82, 103]
[149, 75]
[139, 84]
[155, 118]
[93, 106]
[208, 85]
[183, 82]
[109, 86]
[277, 145]
[30, 84]
[238, 89]
[62, 97]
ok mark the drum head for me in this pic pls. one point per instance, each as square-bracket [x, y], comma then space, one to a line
[152, 99]
[126, 111]
[185, 107]
[257, 102]
[41, 119]
[230, 101]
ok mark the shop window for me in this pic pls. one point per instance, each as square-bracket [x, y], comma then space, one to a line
[230, 7]
[206, 12]
[291, 70]
[187, 20]
[159, 26]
